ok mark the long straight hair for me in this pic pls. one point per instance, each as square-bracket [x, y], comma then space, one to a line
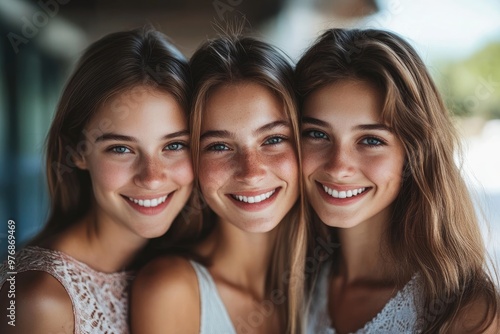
[434, 229]
[231, 60]
[115, 63]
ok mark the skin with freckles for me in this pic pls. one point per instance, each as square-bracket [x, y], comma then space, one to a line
[246, 150]
[143, 156]
[119, 172]
[381, 174]
[249, 178]
[346, 148]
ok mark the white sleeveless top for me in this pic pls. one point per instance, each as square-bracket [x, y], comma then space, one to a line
[214, 316]
[399, 316]
[100, 300]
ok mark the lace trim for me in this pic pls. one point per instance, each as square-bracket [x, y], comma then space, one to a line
[399, 315]
[100, 300]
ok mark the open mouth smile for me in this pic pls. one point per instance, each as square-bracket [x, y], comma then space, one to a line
[254, 199]
[147, 203]
[149, 206]
[343, 193]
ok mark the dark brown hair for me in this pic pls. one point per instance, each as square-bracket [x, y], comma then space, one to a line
[115, 63]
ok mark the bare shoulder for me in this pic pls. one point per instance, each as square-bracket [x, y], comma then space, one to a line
[38, 304]
[165, 298]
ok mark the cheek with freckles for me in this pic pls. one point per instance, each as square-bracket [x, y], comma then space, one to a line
[109, 175]
[213, 174]
[181, 172]
[285, 165]
[311, 162]
[384, 170]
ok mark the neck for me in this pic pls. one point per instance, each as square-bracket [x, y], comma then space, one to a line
[240, 258]
[363, 255]
[100, 243]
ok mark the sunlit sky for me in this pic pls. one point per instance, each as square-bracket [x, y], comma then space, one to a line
[444, 28]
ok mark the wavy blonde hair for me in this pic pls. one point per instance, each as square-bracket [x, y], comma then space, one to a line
[434, 228]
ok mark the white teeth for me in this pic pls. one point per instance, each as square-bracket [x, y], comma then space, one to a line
[343, 194]
[149, 203]
[254, 199]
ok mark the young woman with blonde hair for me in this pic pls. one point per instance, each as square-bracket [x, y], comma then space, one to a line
[245, 274]
[119, 172]
[379, 169]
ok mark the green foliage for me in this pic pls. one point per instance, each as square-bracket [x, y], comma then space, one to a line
[471, 87]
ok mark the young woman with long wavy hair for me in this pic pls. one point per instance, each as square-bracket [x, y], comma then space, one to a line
[379, 169]
[119, 172]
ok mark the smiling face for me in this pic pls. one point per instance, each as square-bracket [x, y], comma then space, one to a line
[139, 162]
[248, 166]
[352, 162]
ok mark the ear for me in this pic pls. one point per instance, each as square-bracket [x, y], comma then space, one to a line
[79, 160]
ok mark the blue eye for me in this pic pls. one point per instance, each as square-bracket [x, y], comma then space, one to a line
[120, 149]
[274, 140]
[315, 134]
[218, 147]
[175, 146]
[372, 141]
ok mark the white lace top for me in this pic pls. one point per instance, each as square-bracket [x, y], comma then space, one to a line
[100, 300]
[399, 316]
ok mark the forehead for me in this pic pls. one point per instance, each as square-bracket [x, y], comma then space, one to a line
[345, 101]
[140, 106]
[239, 104]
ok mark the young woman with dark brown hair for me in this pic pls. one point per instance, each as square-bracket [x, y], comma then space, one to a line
[119, 171]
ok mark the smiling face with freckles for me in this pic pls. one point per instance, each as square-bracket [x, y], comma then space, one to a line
[140, 165]
[248, 165]
[352, 162]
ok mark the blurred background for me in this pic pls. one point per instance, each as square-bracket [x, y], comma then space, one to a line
[459, 41]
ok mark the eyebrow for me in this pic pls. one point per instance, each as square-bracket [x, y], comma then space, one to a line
[315, 121]
[117, 137]
[373, 127]
[227, 134]
[318, 122]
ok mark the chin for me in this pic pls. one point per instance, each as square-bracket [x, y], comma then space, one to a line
[259, 227]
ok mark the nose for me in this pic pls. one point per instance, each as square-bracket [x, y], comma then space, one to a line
[340, 162]
[250, 167]
[151, 173]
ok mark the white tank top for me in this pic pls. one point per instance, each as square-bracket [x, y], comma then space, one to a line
[214, 316]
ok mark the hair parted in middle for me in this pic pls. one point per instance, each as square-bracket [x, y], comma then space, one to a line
[237, 59]
[434, 229]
